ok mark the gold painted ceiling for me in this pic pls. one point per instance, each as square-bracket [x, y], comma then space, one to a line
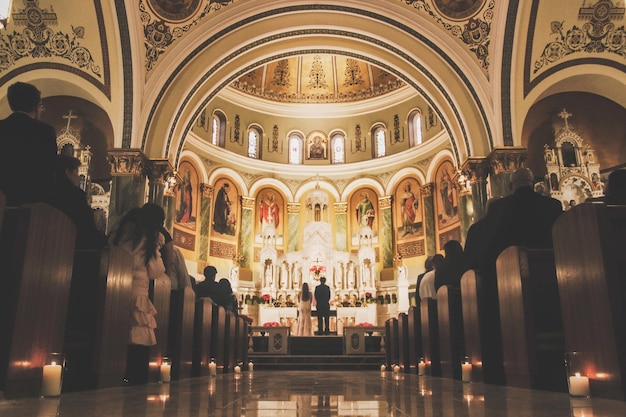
[317, 79]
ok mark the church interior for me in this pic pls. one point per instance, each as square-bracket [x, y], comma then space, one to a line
[289, 140]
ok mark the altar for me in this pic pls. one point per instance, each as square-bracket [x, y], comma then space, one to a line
[339, 317]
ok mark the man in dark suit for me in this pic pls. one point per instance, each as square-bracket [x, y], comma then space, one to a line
[322, 305]
[29, 148]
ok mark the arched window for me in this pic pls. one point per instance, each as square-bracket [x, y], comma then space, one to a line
[295, 148]
[379, 137]
[338, 145]
[254, 142]
[415, 128]
[218, 129]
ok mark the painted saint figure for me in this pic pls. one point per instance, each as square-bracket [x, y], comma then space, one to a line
[185, 206]
[409, 205]
[365, 211]
[269, 212]
[223, 205]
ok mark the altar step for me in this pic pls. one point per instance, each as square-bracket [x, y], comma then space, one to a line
[317, 362]
[320, 353]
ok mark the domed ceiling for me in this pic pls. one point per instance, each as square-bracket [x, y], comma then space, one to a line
[317, 79]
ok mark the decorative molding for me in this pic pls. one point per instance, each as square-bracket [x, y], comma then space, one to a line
[506, 160]
[38, 40]
[474, 32]
[598, 35]
[206, 190]
[247, 203]
[427, 190]
[341, 208]
[162, 31]
[476, 169]
[385, 202]
[159, 170]
[294, 208]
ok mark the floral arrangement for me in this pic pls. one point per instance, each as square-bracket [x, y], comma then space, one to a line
[364, 324]
[271, 324]
[317, 270]
[266, 298]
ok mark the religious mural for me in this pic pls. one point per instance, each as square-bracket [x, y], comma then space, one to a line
[225, 208]
[186, 192]
[270, 214]
[317, 146]
[446, 196]
[408, 210]
[364, 213]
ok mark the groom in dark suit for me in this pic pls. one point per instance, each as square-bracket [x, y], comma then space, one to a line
[29, 148]
[322, 305]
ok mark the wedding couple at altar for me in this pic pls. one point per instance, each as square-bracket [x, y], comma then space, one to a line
[322, 305]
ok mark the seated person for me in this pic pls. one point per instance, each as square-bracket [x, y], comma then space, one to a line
[72, 201]
[208, 287]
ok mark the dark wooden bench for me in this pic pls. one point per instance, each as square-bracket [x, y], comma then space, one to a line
[160, 294]
[403, 342]
[181, 328]
[3, 202]
[230, 342]
[97, 326]
[481, 326]
[36, 257]
[430, 336]
[414, 325]
[391, 342]
[451, 340]
[530, 314]
[218, 336]
[202, 337]
[590, 255]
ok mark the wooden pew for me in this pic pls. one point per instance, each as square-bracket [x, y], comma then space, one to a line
[36, 256]
[3, 203]
[481, 326]
[241, 353]
[181, 328]
[230, 342]
[403, 342]
[391, 342]
[415, 337]
[202, 337]
[97, 326]
[530, 314]
[451, 339]
[590, 255]
[430, 336]
[218, 335]
[160, 294]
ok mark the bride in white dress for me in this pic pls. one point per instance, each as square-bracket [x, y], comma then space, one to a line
[304, 311]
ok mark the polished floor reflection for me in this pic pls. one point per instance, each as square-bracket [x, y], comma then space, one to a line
[313, 393]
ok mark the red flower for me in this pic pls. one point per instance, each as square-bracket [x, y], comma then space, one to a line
[266, 297]
[271, 324]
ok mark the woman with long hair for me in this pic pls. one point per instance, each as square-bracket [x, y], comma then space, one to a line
[141, 237]
[304, 311]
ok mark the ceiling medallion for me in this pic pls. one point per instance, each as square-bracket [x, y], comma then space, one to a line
[174, 10]
[458, 9]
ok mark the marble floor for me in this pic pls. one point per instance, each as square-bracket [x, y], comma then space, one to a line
[313, 393]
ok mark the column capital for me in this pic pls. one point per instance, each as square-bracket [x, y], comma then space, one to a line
[159, 170]
[427, 189]
[247, 203]
[385, 202]
[206, 190]
[294, 208]
[341, 207]
[508, 159]
[476, 168]
[127, 162]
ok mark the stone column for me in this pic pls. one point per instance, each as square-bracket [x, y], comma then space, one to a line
[503, 162]
[246, 234]
[385, 233]
[204, 220]
[341, 226]
[128, 183]
[293, 224]
[476, 171]
[429, 218]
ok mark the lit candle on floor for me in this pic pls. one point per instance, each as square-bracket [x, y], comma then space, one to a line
[383, 368]
[212, 368]
[250, 366]
[237, 369]
[51, 383]
[466, 372]
[166, 370]
[396, 369]
[421, 368]
[578, 385]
